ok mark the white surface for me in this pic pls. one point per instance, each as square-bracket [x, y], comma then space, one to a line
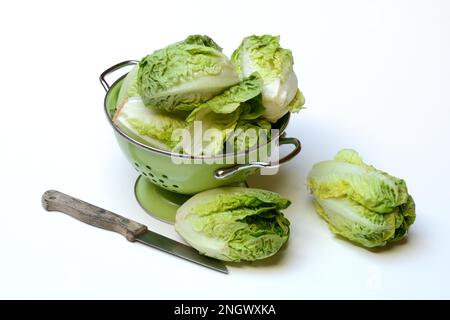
[376, 76]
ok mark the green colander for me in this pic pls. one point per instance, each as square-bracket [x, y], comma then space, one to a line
[163, 185]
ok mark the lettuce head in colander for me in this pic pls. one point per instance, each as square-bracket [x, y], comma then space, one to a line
[182, 76]
[360, 202]
[263, 54]
[234, 224]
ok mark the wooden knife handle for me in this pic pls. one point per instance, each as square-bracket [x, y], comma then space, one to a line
[57, 201]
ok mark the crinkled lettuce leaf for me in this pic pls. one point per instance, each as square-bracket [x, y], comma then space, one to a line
[355, 222]
[348, 176]
[231, 99]
[252, 109]
[249, 133]
[202, 40]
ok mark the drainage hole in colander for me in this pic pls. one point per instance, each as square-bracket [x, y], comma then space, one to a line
[144, 173]
[150, 174]
[175, 186]
[154, 180]
[148, 167]
[164, 176]
[164, 186]
[136, 164]
[161, 180]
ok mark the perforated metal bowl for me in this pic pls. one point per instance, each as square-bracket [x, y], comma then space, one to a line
[156, 167]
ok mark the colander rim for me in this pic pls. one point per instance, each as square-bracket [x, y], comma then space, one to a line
[141, 145]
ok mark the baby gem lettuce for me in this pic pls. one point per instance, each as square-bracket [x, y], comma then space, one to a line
[360, 202]
[263, 54]
[234, 224]
[184, 75]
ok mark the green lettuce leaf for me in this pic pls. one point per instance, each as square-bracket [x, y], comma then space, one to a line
[405, 218]
[297, 102]
[248, 133]
[252, 109]
[231, 99]
[355, 222]
[202, 41]
[148, 125]
[348, 176]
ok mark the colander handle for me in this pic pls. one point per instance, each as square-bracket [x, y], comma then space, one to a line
[230, 171]
[115, 67]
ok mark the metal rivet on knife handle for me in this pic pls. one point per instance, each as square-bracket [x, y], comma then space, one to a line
[57, 201]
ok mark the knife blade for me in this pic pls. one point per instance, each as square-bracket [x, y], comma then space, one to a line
[53, 200]
[178, 249]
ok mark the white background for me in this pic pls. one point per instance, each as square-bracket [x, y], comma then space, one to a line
[376, 77]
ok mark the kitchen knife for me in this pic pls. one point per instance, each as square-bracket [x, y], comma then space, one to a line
[57, 201]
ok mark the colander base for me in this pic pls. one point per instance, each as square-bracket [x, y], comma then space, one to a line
[156, 201]
[159, 202]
